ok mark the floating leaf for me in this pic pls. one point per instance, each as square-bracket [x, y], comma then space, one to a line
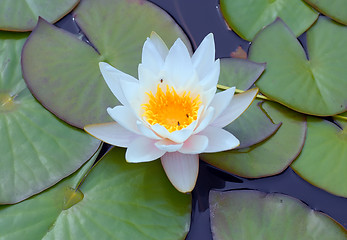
[336, 9]
[121, 201]
[245, 215]
[316, 86]
[247, 17]
[37, 149]
[253, 126]
[239, 72]
[68, 68]
[22, 15]
[269, 157]
[323, 158]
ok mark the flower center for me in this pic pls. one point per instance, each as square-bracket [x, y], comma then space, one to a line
[171, 110]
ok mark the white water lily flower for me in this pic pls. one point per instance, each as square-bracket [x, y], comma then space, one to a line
[172, 111]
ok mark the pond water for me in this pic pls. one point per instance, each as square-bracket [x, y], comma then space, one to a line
[198, 18]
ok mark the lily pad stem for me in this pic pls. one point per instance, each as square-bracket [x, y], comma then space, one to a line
[81, 181]
[222, 87]
[340, 117]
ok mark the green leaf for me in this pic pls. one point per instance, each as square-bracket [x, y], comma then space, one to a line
[323, 158]
[245, 215]
[37, 149]
[247, 17]
[269, 157]
[66, 65]
[121, 201]
[239, 72]
[18, 15]
[316, 86]
[253, 126]
[336, 9]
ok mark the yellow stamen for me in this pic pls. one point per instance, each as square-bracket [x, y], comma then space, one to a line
[171, 110]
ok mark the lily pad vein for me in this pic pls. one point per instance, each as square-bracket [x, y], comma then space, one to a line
[52, 137]
[24, 134]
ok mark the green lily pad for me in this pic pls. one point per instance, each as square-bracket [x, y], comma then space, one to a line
[37, 149]
[74, 90]
[268, 157]
[336, 9]
[253, 126]
[247, 214]
[21, 16]
[117, 200]
[247, 17]
[323, 158]
[240, 73]
[315, 86]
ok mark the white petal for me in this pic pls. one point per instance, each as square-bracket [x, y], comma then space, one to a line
[160, 130]
[125, 117]
[221, 101]
[178, 136]
[194, 145]
[178, 66]
[204, 56]
[204, 63]
[142, 149]
[208, 95]
[237, 106]
[113, 77]
[146, 131]
[159, 44]
[182, 135]
[149, 81]
[131, 93]
[211, 77]
[168, 146]
[111, 133]
[192, 85]
[151, 58]
[205, 120]
[181, 169]
[205, 53]
[147, 78]
[219, 139]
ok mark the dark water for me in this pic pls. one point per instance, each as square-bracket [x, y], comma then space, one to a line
[198, 18]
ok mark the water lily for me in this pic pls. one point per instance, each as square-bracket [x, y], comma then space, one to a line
[172, 111]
